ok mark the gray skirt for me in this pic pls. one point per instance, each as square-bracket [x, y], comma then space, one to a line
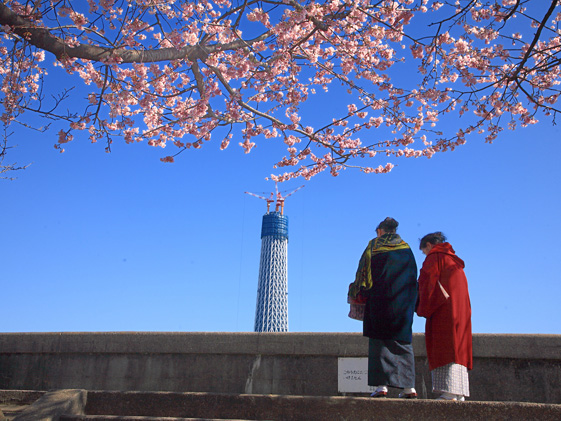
[391, 363]
[451, 378]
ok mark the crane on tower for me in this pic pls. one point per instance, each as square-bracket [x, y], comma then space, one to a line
[275, 197]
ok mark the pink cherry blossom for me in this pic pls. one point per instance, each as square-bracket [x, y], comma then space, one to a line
[396, 79]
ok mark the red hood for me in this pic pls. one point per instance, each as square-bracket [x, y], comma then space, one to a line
[446, 248]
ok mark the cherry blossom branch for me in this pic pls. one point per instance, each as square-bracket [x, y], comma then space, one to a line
[42, 38]
[8, 168]
[165, 72]
[512, 11]
[536, 38]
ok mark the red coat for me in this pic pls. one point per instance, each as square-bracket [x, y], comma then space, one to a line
[447, 308]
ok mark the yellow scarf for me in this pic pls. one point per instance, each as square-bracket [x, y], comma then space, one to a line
[382, 244]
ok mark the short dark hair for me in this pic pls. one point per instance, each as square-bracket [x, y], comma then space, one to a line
[433, 238]
[389, 225]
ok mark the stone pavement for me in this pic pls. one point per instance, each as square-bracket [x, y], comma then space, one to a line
[81, 405]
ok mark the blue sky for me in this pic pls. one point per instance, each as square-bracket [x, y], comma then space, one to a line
[122, 242]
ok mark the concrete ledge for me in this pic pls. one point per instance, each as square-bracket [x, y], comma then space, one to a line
[328, 344]
[52, 405]
[186, 343]
[13, 402]
[309, 408]
[20, 397]
[69, 405]
[521, 368]
[133, 418]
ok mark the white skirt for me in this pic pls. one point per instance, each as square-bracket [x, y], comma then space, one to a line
[451, 378]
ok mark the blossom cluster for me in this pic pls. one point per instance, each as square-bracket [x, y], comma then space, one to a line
[175, 73]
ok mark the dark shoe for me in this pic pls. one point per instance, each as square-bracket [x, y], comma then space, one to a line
[408, 395]
[380, 394]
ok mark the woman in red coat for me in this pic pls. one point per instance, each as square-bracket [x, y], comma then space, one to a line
[444, 301]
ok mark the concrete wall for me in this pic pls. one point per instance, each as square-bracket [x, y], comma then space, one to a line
[524, 368]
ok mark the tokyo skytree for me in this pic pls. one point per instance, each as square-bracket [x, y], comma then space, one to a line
[271, 312]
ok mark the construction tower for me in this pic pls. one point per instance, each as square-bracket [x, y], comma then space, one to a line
[271, 312]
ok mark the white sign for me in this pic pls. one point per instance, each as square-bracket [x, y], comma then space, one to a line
[353, 376]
